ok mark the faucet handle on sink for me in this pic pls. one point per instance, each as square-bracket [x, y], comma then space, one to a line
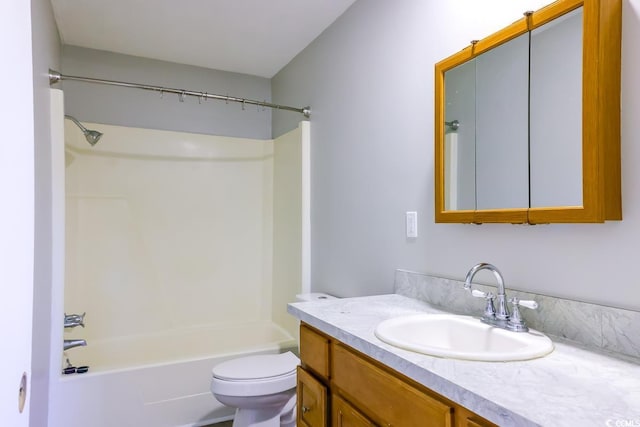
[516, 323]
[478, 294]
[489, 309]
[524, 303]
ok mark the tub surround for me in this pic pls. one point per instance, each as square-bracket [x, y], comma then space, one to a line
[595, 326]
[548, 391]
[170, 219]
[152, 215]
[167, 260]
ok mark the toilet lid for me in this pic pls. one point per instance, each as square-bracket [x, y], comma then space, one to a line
[256, 367]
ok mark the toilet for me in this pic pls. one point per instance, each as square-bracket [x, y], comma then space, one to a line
[262, 388]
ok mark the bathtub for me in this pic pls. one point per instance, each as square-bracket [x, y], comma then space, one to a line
[159, 380]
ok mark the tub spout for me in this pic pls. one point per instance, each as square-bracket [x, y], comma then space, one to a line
[73, 343]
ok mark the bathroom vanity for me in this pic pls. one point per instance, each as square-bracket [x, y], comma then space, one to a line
[340, 386]
[349, 377]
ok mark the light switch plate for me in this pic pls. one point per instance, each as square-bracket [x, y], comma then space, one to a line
[412, 224]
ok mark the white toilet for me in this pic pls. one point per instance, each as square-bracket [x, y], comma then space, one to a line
[262, 388]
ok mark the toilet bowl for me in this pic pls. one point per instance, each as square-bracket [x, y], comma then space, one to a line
[262, 389]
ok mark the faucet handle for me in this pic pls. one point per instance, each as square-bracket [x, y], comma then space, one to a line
[73, 320]
[479, 294]
[516, 323]
[524, 303]
[489, 309]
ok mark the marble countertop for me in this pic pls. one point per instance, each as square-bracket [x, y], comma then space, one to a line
[570, 387]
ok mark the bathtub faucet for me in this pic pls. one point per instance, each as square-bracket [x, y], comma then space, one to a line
[73, 320]
[73, 343]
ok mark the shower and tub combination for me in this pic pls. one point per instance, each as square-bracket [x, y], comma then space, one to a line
[183, 249]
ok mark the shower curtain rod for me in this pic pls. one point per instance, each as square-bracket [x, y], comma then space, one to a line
[55, 77]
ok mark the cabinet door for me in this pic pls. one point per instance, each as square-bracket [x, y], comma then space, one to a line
[312, 401]
[345, 415]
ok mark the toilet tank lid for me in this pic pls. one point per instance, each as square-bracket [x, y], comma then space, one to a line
[256, 367]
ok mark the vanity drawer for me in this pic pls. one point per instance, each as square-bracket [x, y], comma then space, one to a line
[384, 397]
[314, 351]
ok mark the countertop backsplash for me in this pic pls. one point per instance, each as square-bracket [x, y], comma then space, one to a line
[592, 325]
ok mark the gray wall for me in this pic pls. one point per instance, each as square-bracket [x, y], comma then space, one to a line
[46, 54]
[369, 80]
[139, 108]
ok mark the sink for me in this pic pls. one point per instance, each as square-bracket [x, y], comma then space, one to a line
[462, 337]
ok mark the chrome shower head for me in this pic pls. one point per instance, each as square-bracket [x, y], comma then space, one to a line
[92, 136]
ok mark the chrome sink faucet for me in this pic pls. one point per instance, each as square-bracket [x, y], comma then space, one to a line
[499, 317]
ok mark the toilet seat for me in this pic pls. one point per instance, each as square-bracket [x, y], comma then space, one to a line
[256, 367]
[255, 375]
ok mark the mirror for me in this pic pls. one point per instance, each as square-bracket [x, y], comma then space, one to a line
[555, 108]
[487, 153]
[520, 120]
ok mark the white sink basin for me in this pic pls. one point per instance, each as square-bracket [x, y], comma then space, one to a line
[462, 337]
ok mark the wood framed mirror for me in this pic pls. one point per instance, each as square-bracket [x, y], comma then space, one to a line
[527, 120]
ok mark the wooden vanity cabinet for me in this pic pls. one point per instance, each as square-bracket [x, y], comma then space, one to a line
[341, 387]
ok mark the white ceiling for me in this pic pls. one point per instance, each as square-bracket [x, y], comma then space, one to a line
[256, 37]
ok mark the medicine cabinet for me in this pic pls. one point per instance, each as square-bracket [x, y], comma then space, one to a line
[527, 120]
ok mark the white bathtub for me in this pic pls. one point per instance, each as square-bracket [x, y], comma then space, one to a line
[161, 380]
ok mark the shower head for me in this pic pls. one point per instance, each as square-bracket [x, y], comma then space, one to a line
[92, 136]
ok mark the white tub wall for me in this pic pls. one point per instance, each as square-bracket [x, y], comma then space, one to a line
[46, 54]
[138, 352]
[159, 239]
[57, 238]
[290, 222]
[267, 226]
